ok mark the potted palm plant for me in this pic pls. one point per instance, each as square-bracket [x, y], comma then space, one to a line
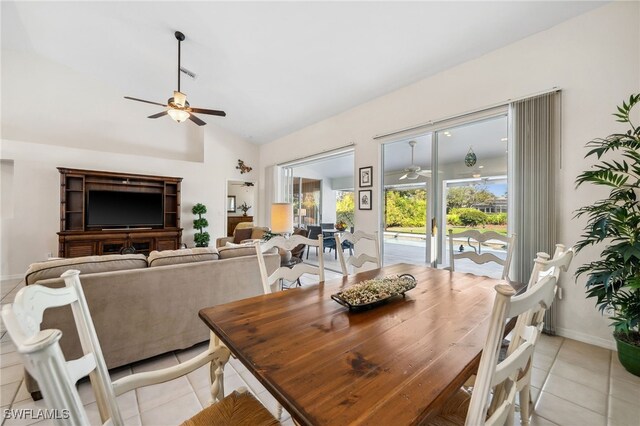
[614, 222]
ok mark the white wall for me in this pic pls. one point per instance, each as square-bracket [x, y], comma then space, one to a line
[593, 58]
[31, 233]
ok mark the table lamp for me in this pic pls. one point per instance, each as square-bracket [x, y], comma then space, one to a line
[282, 218]
[282, 223]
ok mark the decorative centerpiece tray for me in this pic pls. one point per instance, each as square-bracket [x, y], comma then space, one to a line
[371, 293]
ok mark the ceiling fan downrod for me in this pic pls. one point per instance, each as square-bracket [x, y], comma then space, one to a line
[180, 38]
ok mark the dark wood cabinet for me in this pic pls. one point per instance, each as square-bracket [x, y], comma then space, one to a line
[233, 221]
[77, 239]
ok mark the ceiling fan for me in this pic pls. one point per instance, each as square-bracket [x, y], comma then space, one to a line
[247, 184]
[178, 107]
[414, 171]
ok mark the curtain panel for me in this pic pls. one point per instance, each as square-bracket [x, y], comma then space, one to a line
[536, 145]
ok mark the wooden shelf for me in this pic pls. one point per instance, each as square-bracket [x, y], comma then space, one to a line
[76, 239]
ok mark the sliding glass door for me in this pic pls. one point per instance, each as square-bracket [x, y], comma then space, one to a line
[455, 179]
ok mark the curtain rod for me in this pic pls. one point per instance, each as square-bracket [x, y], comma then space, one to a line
[474, 111]
[315, 156]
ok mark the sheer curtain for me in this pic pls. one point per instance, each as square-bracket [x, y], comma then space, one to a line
[536, 165]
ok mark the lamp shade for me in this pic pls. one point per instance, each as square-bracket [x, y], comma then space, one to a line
[281, 218]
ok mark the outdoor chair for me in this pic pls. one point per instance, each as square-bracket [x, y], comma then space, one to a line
[476, 255]
[43, 358]
[314, 232]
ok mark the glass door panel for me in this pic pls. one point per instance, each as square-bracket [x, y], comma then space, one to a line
[472, 179]
[406, 228]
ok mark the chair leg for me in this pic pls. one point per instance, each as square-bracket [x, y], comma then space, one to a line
[525, 404]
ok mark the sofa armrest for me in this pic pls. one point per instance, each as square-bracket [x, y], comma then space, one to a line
[222, 241]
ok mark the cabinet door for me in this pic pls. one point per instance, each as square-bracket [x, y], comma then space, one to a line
[166, 244]
[143, 246]
[112, 246]
[79, 248]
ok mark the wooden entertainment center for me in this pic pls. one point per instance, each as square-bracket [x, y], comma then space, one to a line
[76, 238]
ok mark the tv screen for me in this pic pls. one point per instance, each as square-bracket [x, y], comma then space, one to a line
[113, 209]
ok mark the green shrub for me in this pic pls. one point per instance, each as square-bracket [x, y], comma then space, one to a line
[453, 220]
[470, 217]
[497, 219]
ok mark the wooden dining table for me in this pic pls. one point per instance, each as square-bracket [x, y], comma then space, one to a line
[394, 364]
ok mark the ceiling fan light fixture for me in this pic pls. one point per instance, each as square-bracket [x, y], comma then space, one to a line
[179, 99]
[178, 115]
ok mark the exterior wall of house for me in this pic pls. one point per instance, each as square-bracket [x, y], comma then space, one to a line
[594, 58]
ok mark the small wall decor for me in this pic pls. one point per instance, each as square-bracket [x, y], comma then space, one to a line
[366, 176]
[243, 167]
[470, 159]
[364, 199]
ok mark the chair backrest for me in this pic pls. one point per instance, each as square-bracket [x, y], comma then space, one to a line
[327, 225]
[492, 373]
[285, 272]
[43, 358]
[314, 231]
[476, 255]
[298, 250]
[363, 257]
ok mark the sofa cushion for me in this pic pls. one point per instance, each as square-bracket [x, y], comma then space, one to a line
[174, 257]
[242, 234]
[231, 252]
[258, 232]
[86, 265]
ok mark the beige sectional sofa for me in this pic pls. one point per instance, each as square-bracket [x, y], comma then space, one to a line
[144, 307]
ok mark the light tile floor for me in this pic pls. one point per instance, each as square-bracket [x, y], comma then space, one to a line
[573, 384]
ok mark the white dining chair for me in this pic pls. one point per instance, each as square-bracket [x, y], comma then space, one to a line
[543, 267]
[474, 410]
[363, 257]
[44, 360]
[289, 273]
[476, 255]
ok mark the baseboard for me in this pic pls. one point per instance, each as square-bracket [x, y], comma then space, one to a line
[587, 338]
[11, 277]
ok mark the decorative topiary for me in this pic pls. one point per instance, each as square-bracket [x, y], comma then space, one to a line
[201, 238]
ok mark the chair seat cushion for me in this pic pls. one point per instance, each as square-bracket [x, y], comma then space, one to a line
[236, 409]
[454, 411]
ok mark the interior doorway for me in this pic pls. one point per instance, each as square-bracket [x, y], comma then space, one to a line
[240, 204]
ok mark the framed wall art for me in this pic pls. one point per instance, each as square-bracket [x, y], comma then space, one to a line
[366, 176]
[364, 199]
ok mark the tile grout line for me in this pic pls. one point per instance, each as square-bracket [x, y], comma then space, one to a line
[544, 382]
[606, 407]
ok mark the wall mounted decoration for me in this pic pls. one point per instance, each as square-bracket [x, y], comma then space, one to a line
[364, 199]
[470, 159]
[366, 176]
[243, 167]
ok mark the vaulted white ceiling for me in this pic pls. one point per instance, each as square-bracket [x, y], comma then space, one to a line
[274, 67]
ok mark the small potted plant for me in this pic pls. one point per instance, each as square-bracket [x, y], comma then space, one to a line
[201, 238]
[614, 278]
[245, 208]
[341, 225]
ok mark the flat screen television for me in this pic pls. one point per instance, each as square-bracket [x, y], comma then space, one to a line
[119, 209]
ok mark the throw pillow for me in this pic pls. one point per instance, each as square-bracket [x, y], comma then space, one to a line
[241, 235]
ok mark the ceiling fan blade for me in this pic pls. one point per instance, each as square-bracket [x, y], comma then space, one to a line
[196, 120]
[158, 115]
[404, 176]
[425, 173]
[209, 111]
[146, 102]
